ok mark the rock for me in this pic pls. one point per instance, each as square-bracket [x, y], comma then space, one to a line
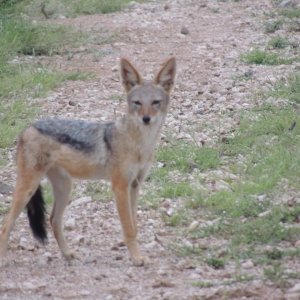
[297, 244]
[81, 201]
[70, 224]
[90, 260]
[79, 240]
[24, 244]
[167, 6]
[184, 30]
[295, 288]
[5, 189]
[287, 3]
[248, 264]
[193, 225]
[72, 103]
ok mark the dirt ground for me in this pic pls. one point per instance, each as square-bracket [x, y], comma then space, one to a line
[204, 106]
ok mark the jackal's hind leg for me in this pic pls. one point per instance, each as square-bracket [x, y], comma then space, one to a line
[61, 186]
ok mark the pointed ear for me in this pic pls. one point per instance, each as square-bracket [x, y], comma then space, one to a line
[130, 76]
[166, 75]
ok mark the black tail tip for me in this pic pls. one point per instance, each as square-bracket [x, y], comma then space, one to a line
[36, 212]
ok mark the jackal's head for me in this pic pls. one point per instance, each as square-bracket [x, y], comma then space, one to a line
[148, 100]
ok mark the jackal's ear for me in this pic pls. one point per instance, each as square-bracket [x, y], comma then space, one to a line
[130, 76]
[166, 75]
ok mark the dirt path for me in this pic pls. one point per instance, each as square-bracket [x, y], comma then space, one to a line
[203, 108]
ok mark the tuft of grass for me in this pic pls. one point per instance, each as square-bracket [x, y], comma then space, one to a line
[13, 118]
[271, 27]
[290, 13]
[260, 57]
[278, 42]
[69, 8]
[96, 6]
[185, 157]
[176, 189]
[98, 191]
[216, 263]
[23, 37]
[288, 88]
[176, 219]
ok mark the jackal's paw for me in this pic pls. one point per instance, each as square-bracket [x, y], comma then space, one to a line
[69, 255]
[139, 261]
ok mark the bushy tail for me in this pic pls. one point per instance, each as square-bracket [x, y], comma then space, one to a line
[36, 213]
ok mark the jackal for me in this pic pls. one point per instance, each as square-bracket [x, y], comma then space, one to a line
[119, 151]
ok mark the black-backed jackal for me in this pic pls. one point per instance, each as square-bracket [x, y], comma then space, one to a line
[120, 152]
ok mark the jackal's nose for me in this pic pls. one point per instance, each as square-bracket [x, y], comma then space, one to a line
[146, 119]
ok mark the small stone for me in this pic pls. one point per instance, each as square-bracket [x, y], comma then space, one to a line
[184, 30]
[90, 260]
[297, 244]
[80, 201]
[115, 68]
[70, 224]
[79, 240]
[25, 245]
[247, 264]
[295, 288]
[72, 103]
[193, 225]
[167, 7]
[287, 3]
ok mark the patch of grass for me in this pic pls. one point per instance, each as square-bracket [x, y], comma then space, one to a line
[260, 57]
[99, 191]
[203, 284]
[267, 229]
[184, 157]
[278, 42]
[288, 88]
[176, 219]
[23, 37]
[235, 204]
[216, 263]
[290, 13]
[271, 27]
[13, 118]
[68, 8]
[21, 82]
[96, 6]
[176, 189]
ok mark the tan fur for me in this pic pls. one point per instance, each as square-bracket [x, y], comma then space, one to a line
[126, 165]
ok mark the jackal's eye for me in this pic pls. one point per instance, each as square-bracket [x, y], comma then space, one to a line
[156, 102]
[137, 103]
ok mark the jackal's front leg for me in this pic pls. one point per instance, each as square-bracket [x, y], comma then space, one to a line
[121, 188]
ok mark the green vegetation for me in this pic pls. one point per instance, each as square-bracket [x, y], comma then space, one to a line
[290, 13]
[68, 8]
[260, 57]
[21, 78]
[249, 215]
[288, 88]
[185, 157]
[278, 42]
[273, 26]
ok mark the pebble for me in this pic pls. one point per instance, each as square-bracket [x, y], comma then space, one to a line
[81, 201]
[297, 244]
[184, 30]
[193, 225]
[247, 264]
[70, 224]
